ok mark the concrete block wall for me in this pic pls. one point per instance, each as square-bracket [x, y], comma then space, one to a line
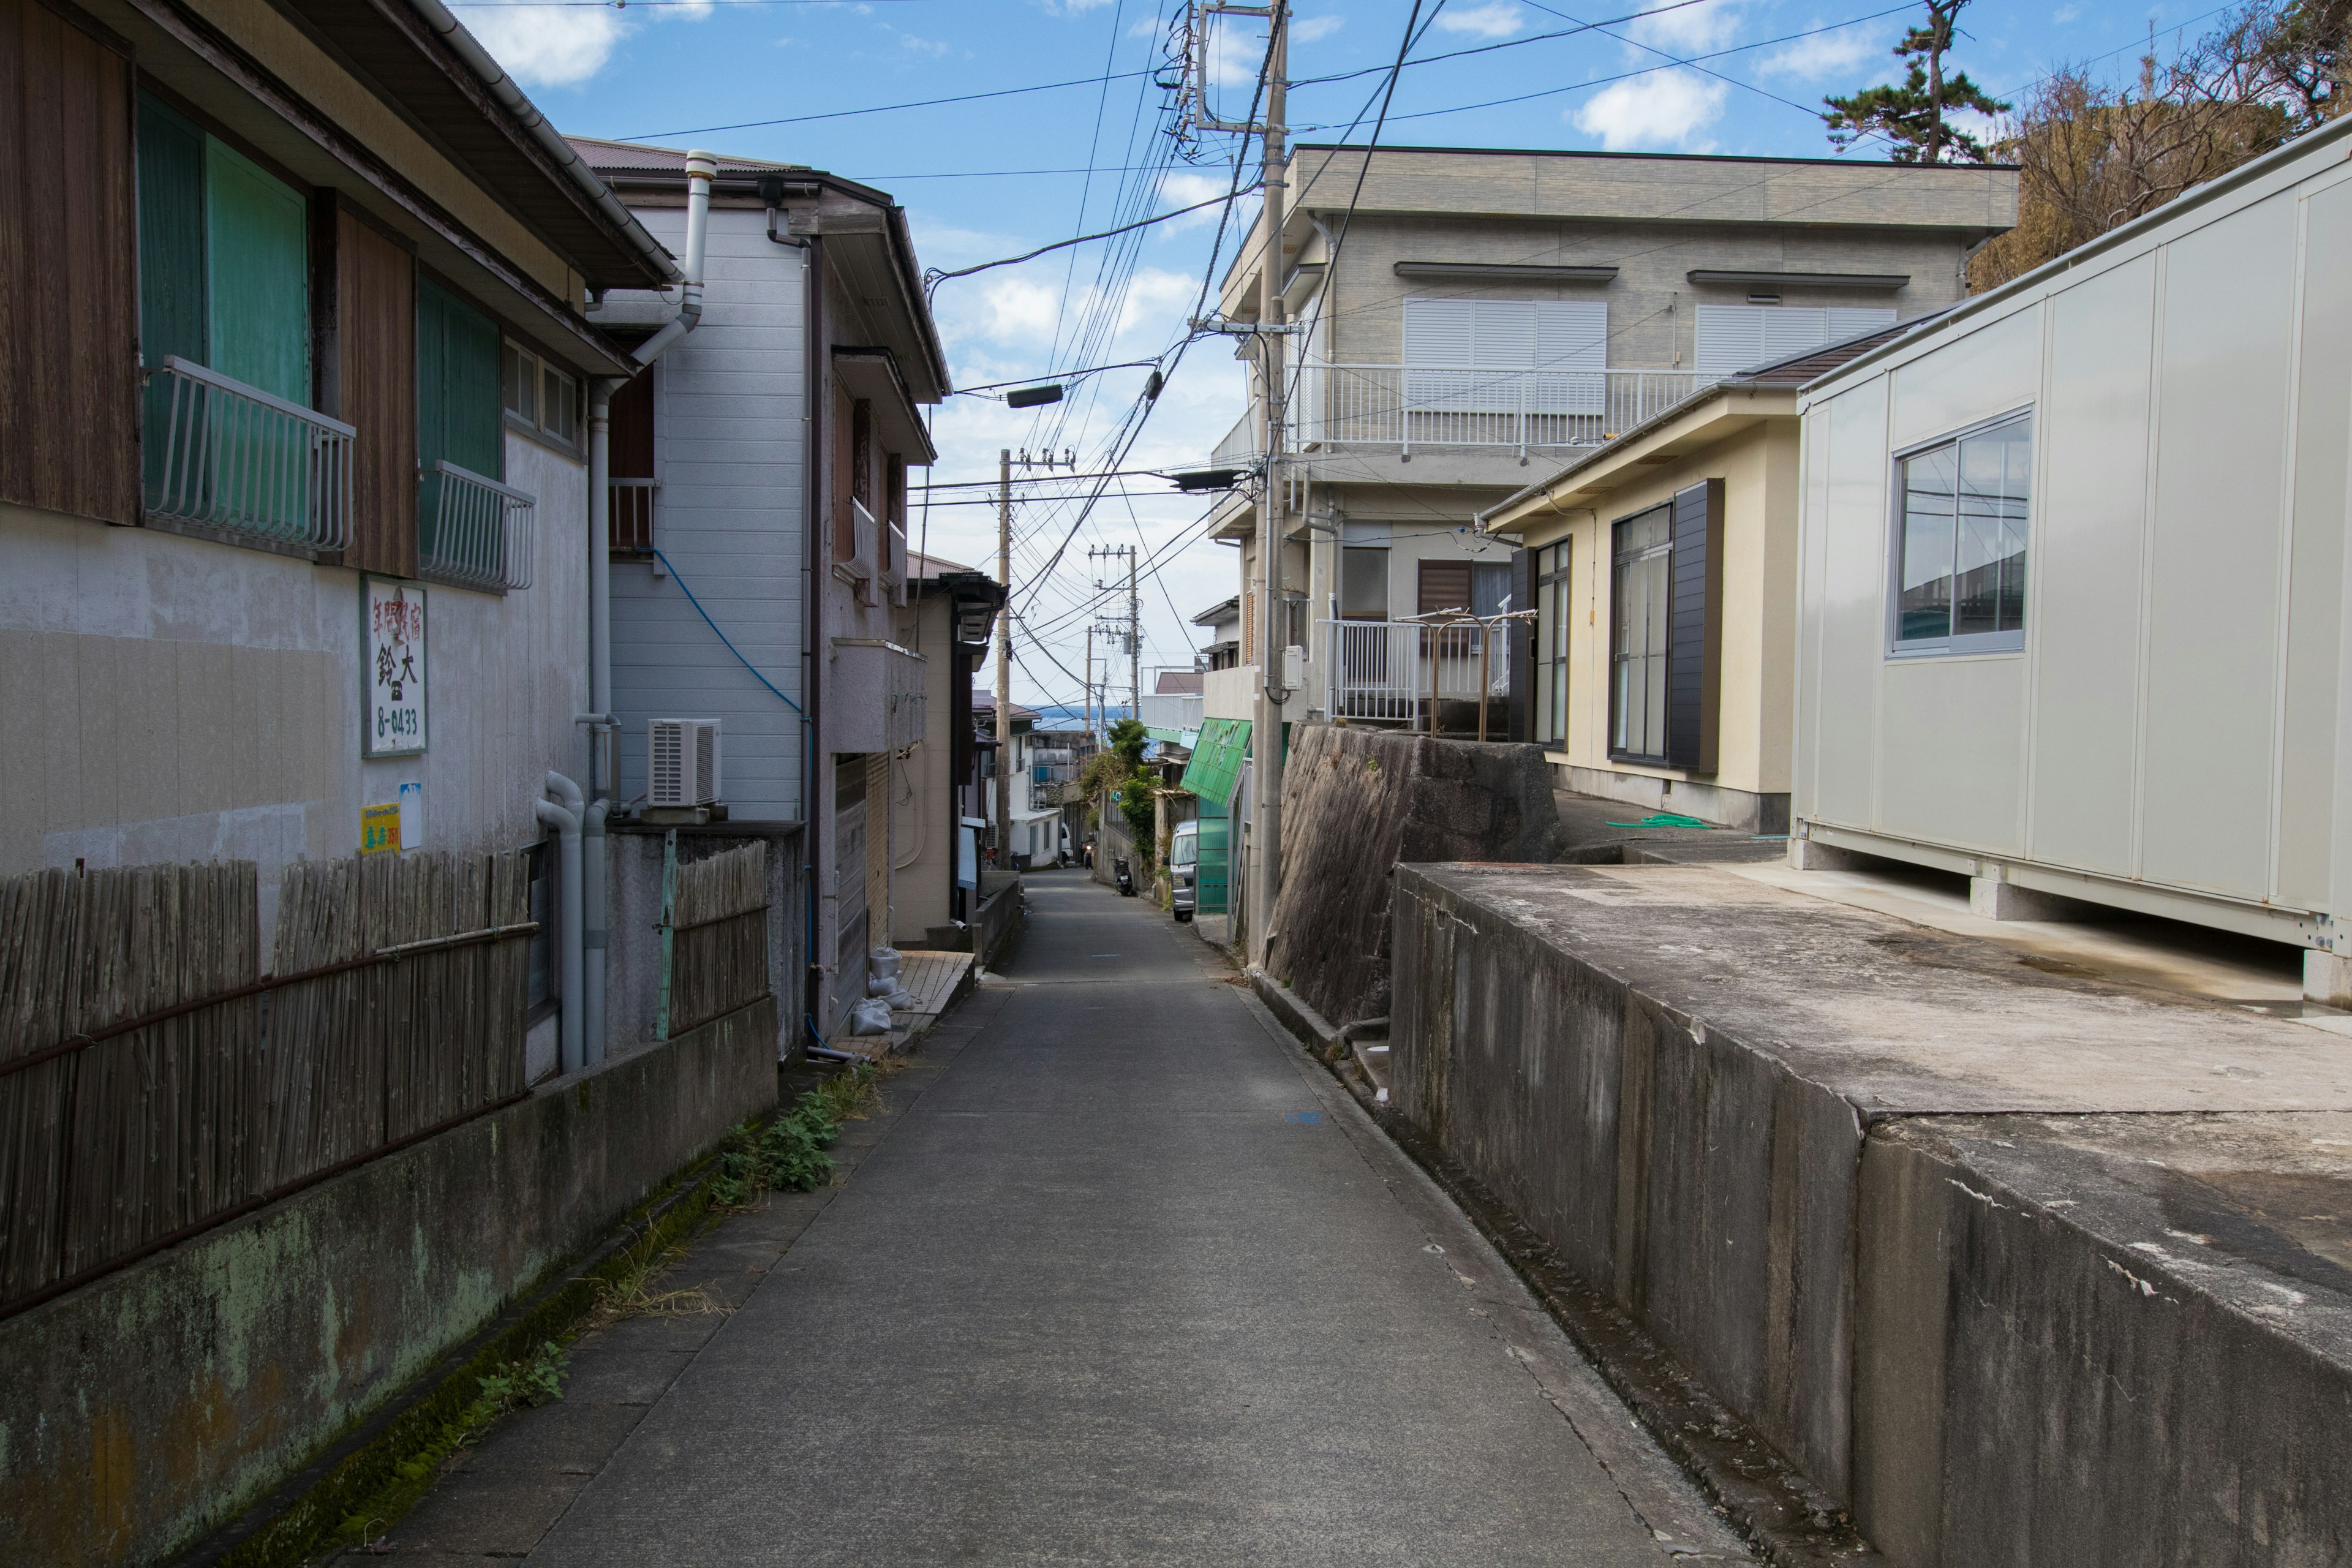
[2020, 1269]
[148, 1407]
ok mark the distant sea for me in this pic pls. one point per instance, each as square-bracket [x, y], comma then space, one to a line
[1069, 716]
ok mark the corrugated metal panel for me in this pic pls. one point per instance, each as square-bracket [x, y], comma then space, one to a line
[69, 288]
[1216, 765]
[376, 346]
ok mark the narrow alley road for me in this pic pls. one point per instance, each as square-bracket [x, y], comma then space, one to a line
[1131, 1281]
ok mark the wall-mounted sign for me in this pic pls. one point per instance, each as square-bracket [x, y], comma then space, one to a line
[392, 642]
[380, 829]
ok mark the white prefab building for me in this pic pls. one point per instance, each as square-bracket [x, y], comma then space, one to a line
[2074, 591]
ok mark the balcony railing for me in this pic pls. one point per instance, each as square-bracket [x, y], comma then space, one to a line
[475, 533]
[1409, 407]
[227, 457]
[1240, 445]
[1394, 671]
[631, 526]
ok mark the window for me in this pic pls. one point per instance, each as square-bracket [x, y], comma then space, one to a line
[539, 397]
[1562, 341]
[1490, 587]
[1363, 584]
[1444, 586]
[1733, 338]
[1961, 543]
[1551, 643]
[1641, 576]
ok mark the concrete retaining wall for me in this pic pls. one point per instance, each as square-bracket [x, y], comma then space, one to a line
[2020, 1269]
[148, 1407]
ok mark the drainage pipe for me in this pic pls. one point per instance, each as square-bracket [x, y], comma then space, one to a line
[593, 883]
[701, 168]
[567, 942]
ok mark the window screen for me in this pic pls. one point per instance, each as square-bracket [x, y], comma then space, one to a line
[1960, 573]
[1552, 349]
[1640, 585]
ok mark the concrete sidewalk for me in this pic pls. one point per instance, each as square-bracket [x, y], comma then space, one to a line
[1121, 1278]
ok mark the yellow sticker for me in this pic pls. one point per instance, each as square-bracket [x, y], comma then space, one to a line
[380, 829]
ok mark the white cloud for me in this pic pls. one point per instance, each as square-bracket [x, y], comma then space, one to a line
[1314, 30]
[1665, 110]
[1496, 19]
[1183, 189]
[1236, 55]
[1709, 25]
[547, 46]
[934, 47]
[1822, 55]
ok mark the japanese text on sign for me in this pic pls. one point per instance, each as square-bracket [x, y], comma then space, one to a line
[394, 614]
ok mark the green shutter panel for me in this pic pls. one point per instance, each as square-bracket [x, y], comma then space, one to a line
[258, 290]
[458, 414]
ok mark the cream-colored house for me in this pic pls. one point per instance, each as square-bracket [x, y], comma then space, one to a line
[2071, 591]
[1662, 566]
[1469, 319]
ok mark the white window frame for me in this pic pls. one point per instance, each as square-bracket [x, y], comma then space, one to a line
[1966, 643]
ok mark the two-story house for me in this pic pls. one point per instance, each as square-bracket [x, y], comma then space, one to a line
[1036, 813]
[1467, 321]
[294, 554]
[799, 396]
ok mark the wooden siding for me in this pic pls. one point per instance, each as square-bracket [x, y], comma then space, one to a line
[375, 368]
[633, 427]
[68, 285]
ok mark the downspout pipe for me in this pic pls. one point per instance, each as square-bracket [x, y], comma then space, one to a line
[594, 870]
[575, 993]
[550, 140]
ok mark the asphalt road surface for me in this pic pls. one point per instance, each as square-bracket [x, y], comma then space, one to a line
[1119, 1277]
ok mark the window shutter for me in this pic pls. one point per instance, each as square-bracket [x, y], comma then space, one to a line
[1792, 329]
[257, 279]
[1440, 331]
[1504, 334]
[1847, 320]
[1444, 585]
[170, 261]
[1572, 335]
[1730, 338]
[1694, 627]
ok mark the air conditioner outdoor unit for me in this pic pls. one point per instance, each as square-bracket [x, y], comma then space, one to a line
[681, 761]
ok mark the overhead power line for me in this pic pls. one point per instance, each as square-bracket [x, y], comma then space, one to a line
[936, 278]
[889, 107]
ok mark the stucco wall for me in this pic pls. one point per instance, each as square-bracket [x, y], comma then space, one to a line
[172, 699]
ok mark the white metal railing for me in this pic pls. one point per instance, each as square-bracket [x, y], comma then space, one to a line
[1240, 445]
[1389, 670]
[231, 456]
[1407, 406]
[474, 531]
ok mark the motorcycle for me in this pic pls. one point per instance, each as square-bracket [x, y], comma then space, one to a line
[1125, 877]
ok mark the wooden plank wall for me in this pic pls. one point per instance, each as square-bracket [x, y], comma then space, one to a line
[376, 368]
[108, 1149]
[69, 269]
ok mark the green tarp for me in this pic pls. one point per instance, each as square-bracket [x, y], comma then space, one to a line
[1216, 766]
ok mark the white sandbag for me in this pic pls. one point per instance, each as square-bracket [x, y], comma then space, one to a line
[871, 1017]
[904, 1001]
[881, 985]
[884, 961]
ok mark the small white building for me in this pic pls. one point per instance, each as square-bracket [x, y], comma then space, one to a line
[2073, 592]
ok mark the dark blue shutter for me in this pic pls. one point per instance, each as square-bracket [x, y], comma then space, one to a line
[1694, 627]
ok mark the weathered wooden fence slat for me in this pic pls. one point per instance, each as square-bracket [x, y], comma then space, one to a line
[153, 1081]
[715, 936]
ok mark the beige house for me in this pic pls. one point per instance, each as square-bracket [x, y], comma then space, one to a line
[1661, 666]
[1470, 319]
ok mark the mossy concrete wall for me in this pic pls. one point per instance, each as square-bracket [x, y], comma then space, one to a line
[148, 1407]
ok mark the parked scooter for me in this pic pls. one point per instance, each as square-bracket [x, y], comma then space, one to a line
[1125, 877]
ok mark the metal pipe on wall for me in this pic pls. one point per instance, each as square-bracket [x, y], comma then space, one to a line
[569, 954]
[594, 883]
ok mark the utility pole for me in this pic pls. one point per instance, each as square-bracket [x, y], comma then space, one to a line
[1265, 734]
[1134, 640]
[1088, 696]
[1005, 659]
[1130, 630]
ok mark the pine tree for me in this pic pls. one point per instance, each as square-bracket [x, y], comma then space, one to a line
[1913, 116]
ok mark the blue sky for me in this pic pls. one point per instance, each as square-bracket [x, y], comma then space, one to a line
[980, 180]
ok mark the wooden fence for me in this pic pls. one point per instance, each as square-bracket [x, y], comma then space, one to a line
[714, 935]
[153, 1082]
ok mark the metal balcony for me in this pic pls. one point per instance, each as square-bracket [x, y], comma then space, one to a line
[473, 532]
[237, 461]
[631, 524]
[1395, 671]
[1409, 407]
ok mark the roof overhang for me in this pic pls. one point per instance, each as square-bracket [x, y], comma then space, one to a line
[1699, 422]
[1867, 282]
[873, 374]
